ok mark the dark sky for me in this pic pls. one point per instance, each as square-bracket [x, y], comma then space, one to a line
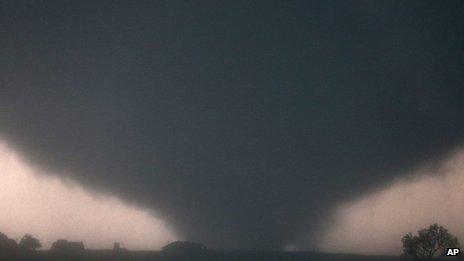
[240, 122]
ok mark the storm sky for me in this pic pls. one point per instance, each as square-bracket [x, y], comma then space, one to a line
[241, 124]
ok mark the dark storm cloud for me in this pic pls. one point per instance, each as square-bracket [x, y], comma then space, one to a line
[238, 122]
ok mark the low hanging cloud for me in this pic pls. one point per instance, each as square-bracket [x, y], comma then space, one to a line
[376, 222]
[51, 209]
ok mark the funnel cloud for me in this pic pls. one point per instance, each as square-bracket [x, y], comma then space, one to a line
[242, 125]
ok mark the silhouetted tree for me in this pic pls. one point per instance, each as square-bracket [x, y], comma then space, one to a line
[29, 243]
[429, 242]
[3, 241]
[3, 237]
[11, 245]
[410, 245]
[7, 245]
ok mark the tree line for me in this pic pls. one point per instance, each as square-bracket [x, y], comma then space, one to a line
[27, 244]
[429, 243]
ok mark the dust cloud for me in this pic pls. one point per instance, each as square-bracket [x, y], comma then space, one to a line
[375, 223]
[50, 208]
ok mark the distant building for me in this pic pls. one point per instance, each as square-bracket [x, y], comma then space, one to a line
[184, 247]
[117, 247]
[63, 245]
